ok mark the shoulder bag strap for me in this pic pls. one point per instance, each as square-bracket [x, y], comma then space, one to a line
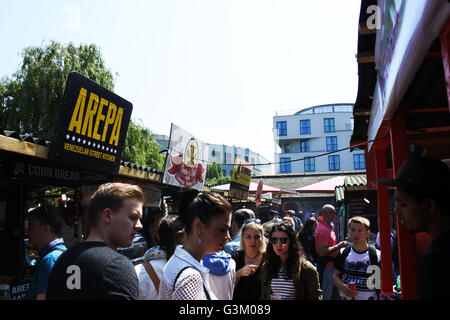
[152, 274]
[346, 251]
[204, 287]
[373, 255]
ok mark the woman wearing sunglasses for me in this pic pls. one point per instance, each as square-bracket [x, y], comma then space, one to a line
[286, 274]
[248, 260]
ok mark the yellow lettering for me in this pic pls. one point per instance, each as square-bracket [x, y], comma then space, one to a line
[77, 115]
[100, 117]
[116, 129]
[109, 119]
[90, 112]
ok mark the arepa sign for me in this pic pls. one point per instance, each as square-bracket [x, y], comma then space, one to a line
[92, 126]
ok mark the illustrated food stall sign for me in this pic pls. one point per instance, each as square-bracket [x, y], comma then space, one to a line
[92, 126]
[186, 160]
[240, 179]
[259, 191]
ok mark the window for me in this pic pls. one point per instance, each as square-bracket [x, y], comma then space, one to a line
[213, 153]
[282, 128]
[287, 148]
[359, 162]
[333, 163]
[332, 144]
[305, 127]
[310, 164]
[285, 165]
[328, 125]
[325, 109]
[348, 108]
[304, 146]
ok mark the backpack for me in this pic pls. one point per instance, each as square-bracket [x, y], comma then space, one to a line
[372, 254]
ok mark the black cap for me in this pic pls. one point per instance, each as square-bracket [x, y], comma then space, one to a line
[421, 172]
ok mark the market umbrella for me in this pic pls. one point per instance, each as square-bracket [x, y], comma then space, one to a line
[252, 189]
[325, 186]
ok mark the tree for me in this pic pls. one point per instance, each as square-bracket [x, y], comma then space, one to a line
[30, 101]
[214, 175]
[141, 147]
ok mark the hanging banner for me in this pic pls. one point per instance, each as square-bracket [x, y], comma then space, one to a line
[92, 126]
[240, 179]
[259, 191]
[186, 160]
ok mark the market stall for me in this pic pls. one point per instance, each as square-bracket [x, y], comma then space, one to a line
[402, 103]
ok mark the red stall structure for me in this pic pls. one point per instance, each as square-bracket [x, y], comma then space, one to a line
[402, 103]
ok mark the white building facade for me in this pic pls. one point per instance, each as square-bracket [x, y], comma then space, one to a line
[302, 137]
[226, 155]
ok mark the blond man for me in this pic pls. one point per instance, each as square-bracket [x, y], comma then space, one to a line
[355, 265]
[93, 270]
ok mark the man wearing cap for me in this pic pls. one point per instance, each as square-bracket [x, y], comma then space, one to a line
[421, 196]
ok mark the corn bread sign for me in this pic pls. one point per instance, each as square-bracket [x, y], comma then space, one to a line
[92, 126]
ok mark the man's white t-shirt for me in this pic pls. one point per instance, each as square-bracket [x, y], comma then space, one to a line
[354, 271]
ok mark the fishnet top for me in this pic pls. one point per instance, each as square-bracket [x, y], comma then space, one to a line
[190, 284]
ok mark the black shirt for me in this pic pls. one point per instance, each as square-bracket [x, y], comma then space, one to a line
[434, 274]
[248, 288]
[102, 273]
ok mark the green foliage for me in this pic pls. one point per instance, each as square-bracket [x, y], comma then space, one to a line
[214, 170]
[214, 175]
[141, 148]
[30, 100]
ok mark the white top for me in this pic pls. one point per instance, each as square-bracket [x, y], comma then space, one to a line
[356, 272]
[147, 290]
[190, 284]
[223, 286]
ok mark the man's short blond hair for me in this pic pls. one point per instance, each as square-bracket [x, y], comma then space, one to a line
[360, 220]
[110, 195]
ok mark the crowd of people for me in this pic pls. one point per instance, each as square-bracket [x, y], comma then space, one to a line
[206, 251]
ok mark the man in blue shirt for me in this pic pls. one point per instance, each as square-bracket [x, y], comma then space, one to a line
[44, 228]
[237, 222]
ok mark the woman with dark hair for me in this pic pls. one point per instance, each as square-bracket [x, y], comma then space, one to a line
[150, 223]
[307, 240]
[170, 234]
[206, 218]
[286, 274]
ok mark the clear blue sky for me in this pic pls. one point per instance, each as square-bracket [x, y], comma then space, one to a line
[217, 68]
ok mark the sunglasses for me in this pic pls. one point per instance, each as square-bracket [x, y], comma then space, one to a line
[282, 240]
[257, 221]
